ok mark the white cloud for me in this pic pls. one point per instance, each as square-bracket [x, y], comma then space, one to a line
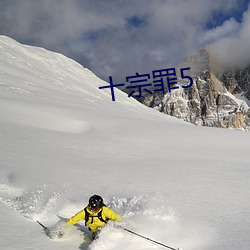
[228, 28]
[233, 50]
[97, 32]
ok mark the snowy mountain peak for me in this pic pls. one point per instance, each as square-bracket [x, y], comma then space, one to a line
[38, 76]
[34, 66]
[210, 100]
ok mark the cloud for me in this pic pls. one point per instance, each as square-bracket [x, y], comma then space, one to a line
[226, 29]
[117, 37]
[233, 49]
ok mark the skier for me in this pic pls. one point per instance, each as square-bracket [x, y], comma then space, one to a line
[95, 214]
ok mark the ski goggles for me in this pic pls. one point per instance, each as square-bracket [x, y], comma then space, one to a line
[94, 208]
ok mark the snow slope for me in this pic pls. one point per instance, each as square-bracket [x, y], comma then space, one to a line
[62, 140]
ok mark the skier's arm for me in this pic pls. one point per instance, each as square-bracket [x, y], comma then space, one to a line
[110, 214]
[77, 217]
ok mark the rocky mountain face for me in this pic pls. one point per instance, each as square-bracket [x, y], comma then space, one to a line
[216, 99]
[237, 81]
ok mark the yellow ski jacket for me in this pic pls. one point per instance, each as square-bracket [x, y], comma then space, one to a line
[94, 223]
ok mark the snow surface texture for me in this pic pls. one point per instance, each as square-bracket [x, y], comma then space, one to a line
[62, 140]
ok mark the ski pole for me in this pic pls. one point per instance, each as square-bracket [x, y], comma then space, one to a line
[146, 238]
[45, 228]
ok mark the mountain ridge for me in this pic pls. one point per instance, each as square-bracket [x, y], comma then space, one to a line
[210, 101]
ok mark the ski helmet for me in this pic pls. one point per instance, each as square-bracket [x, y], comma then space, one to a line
[95, 202]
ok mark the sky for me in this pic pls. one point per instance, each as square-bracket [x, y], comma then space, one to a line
[119, 38]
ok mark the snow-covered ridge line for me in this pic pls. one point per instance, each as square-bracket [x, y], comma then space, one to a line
[62, 72]
[33, 74]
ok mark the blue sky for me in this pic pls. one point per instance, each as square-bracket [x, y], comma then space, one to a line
[120, 37]
[218, 17]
